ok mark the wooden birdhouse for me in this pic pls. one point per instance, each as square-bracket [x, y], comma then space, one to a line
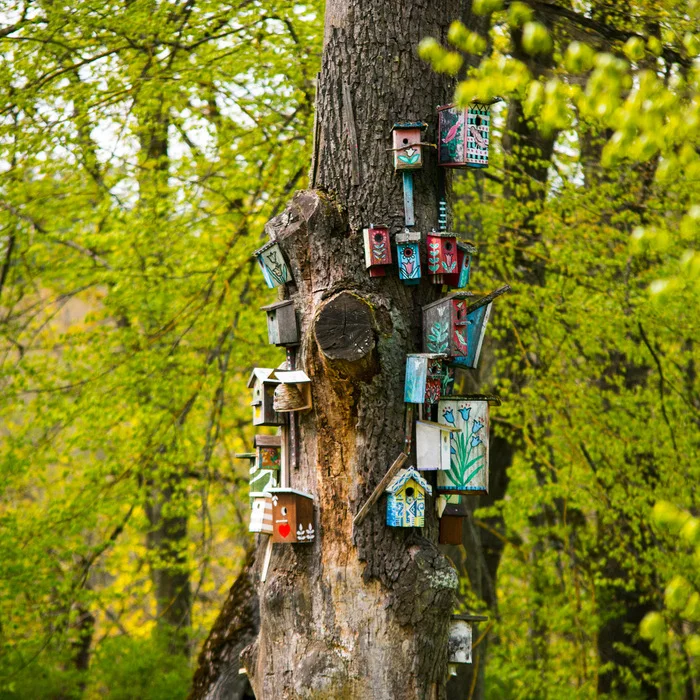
[442, 255]
[282, 326]
[260, 513]
[263, 384]
[408, 147]
[406, 503]
[292, 516]
[445, 325]
[460, 278]
[377, 249]
[273, 265]
[459, 643]
[408, 256]
[463, 136]
[432, 445]
[264, 472]
[469, 443]
[293, 393]
[451, 519]
[424, 376]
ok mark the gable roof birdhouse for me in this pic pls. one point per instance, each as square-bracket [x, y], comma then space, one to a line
[292, 516]
[406, 502]
[459, 642]
[408, 256]
[273, 265]
[264, 472]
[433, 445]
[260, 513]
[377, 249]
[424, 377]
[460, 278]
[463, 136]
[445, 325]
[442, 255]
[408, 146]
[282, 326]
[293, 393]
[263, 384]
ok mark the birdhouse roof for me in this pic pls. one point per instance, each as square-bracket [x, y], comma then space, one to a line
[259, 494]
[245, 455]
[261, 374]
[267, 246]
[403, 477]
[276, 305]
[282, 490]
[438, 426]
[493, 400]
[470, 618]
[408, 236]
[427, 355]
[449, 297]
[488, 298]
[268, 440]
[409, 125]
[469, 247]
[297, 376]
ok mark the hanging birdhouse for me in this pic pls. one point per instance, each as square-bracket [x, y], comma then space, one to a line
[460, 278]
[377, 249]
[273, 265]
[469, 443]
[463, 134]
[432, 445]
[292, 516]
[408, 256]
[424, 377]
[263, 384]
[260, 513]
[282, 327]
[442, 255]
[451, 519]
[445, 325]
[408, 147]
[293, 393]
[264, 472]
[406, 502]
[459, 643]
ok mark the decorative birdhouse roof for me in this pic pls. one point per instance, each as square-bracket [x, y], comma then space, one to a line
[409, 125]
[282, 491]
[292, 377]
[261, 374]
[457, 296]
[404, 476]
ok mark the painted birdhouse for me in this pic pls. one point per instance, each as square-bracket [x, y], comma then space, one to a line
[424, 376]
[408, 148]
[292, 516]
[273, 265]
[463, 136]
[408, 256]
[442, 255]
[282, 327]
[263, 384]
[460, 278]
[264, 472]
[377, 249]
[432, 445]
[459, 643]
[293, 393]
[469, 443]
[406, 502]
[451, 519]
[445, 325]
[260, 513]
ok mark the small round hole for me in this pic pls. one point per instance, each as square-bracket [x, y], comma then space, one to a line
[409, 492]
[405, 140]
[448, 246]
[477, 121]
[378, 238]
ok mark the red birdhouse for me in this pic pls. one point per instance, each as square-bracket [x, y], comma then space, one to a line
[442, 255]
[377, 249]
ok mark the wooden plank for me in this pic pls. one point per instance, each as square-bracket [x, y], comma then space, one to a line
[393, 471]
[409, 214]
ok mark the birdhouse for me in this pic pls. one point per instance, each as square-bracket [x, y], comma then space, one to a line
[469, 443]
[292, 516]
[377, 249]
[408, 256]
[460, 278]
[273, 265]
[260, 513]
[406, 503]
[264, 472]
[451, 518]
[432, 445]
[424, 375]
[463, 136]
[442, 255]
[293, 393]
[445, 325]
[408, 147]
[263, 384]
[459, 642]
[282, 327]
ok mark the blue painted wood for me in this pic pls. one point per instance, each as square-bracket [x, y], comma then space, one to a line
[408, 256]
[416, 377]
[409, 215]
[476, 327]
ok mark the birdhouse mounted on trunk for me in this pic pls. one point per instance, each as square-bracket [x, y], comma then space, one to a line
[463, 136]
[264, 473]
[408, 256]
[451, 519]
[424, 378]
[445, 325]
[263, 384]
[293, 393]
[442, 255]
[282, 327]
[260, 513]
[433, 445]
[406, 502]
[460, 278]
[408, 148]
[292, 516]
[459, 643]
[377, 249]
[273, 265]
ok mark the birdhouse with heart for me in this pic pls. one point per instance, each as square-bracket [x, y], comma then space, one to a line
[292, 516]
[260, 513]
[442, 255]
[282, 326]
[445, 325]
[264, 472]
[433, 445]
[424, 378]
[408, 256]
[463, 136]
[273, 265]
[263, 383]
[459, 642]
[406, 499]
[460, 278]
[293, 393]
[468, 416]
[407, 145]
[377, 249]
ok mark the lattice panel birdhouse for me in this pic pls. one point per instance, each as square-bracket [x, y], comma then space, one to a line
[377, 249]
[407, 145]
[273, 265]
[406, 499]
[425, 373]
[445, 325]
[282, 326]
[463, 134]
[292, 516]
[408, 256]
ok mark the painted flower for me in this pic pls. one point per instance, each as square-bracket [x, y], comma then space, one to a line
[449, 415]
[464, 411]
[476, 440]
[478, 425]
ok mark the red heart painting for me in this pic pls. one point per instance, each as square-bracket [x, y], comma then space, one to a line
[284, 530]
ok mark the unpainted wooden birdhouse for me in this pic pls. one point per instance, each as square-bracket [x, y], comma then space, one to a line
[377, 249]
[408, 256]
[460, 278]
[424, 377]
[292, 516]
[459, 643]
[273, 265]
[451, 518]
[469, 443]
[432, 445]
[442, 255]
[264, 473]
[282, 326]
[445, 325]
[293, 393]
[408, 148]
[263, 384]
[463, 136]
[406, 499]
[260, 513]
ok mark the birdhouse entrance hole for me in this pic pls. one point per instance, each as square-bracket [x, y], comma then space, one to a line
[409, 492]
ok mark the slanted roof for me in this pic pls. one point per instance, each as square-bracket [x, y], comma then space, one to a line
[297, 376]
[260, 374]
[276, 305]
[405, 475]
[282, 489]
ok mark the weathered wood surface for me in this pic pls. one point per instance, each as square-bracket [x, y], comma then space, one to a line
[379, 490]
[343, 328]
